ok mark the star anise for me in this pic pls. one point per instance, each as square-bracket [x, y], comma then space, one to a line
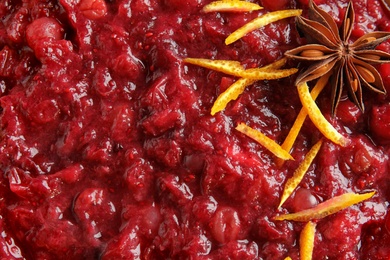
[329, 49]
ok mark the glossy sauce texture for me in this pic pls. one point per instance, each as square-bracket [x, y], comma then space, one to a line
[108, 149]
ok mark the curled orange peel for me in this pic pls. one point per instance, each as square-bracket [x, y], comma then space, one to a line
[306, 241]
[327, 208]
[318, 118]
[265, 141]
[299, 173]
[232, 93]
[229, 67]
[260, 22]
[231, 6]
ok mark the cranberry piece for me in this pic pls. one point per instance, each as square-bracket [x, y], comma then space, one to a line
[139, 180]
[387, 222]
[348, 112]
[304, 199]
[179, 5]
[306, 2]
[103, 82]
[380, 123]
[204, 208]
[7, 61]
[17, 25]
[122, 122]
[165, 151]
[275, 5]
[125, 246]
[384, 70]
[95, 211]
[225, 225]
[42, 29]
[161, 122]
[70, 174]
[127, 65]
[178, 192]
[93, 9]
[44, 112]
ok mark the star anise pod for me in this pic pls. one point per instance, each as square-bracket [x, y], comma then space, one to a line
[329, 49]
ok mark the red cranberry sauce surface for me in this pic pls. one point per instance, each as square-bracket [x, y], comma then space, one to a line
[108, 149]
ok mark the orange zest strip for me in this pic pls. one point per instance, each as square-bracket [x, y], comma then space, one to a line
[275, 65]
[306, 241]
[266, 74]
[327, 208]
[318, 119]
[231, 6]
[260, 22]
[288, 258]
[230, 94]
[226, 66]
[294, 131]
[300, 172]
[265, 141]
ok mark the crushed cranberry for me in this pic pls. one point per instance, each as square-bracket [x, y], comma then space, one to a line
[108, 149]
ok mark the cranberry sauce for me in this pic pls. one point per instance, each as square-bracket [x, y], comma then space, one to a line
[108, 149]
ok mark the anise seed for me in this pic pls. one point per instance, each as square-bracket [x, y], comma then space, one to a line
[369, 39]
[347, 26]
[354, 85]
[370, 56]
[312, 53]
[322, 70]
[365, 74]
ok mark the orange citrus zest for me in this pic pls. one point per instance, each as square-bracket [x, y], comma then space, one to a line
[229, 67]
[230, 94]
[239, 86]
[297, 177]
[265, 141]
[260, 22]
[266, 74]
[275, 65]
[318, 119]
[296, 128]
[288, 258]
[306, 241]
[231, 6]
[327, 208]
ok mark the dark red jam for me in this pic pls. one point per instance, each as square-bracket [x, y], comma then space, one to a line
[108, 149]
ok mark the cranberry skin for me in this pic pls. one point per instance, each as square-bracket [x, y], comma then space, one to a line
[348, 112]
[96, 213]
[8, 59]
[93, 9]
[42, 29]
[387, 222]
[44, 112]
[384, 70]
[225, 225]
[380, 123]
[303, 199]
[306, 2]
[17, 25]
[274, 5]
